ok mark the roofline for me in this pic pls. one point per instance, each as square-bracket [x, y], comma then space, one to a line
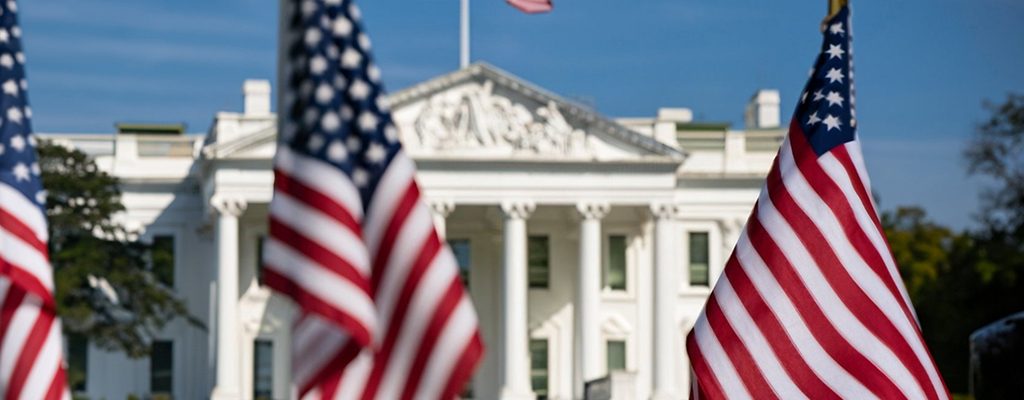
[573, 108]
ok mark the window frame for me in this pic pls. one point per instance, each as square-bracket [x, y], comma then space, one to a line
[80, 340]
[607, 354]
[170, 369]
[547, 265]
[255, 366]
[547, 366]
[689, 259]
[607, 259]
[711, 225]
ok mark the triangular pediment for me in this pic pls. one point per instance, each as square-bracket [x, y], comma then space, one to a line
[483, 112]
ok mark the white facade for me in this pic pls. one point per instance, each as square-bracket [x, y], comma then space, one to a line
[504, 164]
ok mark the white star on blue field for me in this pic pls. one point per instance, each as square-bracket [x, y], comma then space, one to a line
[923, 67]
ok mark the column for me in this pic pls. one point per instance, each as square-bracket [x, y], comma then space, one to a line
[228, 356]
[666, 287]
[588, 296]
[440, 210]
[515, 368]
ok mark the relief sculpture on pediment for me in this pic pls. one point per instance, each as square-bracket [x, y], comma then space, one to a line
[477, 119]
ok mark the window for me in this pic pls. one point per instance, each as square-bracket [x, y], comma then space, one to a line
[538, 251]
[616, 353]
[161, 368]
[615, 265]
[699, 259]
[78, 362]
[460, 247]
[539, 367]
[162, 256]
[263, 370]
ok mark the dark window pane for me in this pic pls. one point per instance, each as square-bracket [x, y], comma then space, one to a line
[539, 367]
[460, 247]
[699, 259]
[263, 370]
[538, 261]
[616, 355]
[78, 361]
[161, 367]
[615, 270]
[162, 255]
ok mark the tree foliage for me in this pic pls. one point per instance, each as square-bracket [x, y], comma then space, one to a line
[997, 152]
[105, 286]
[960, 282]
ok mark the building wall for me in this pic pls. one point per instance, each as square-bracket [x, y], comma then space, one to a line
[175, 208]
[714, 189]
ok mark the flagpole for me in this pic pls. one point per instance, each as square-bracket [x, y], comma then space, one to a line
[833, 8]
[464, 35]
[835, 5]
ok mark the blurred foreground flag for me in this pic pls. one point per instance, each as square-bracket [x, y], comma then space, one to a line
[384, 313]
[31, 355]
[531, 6]
[811, 305]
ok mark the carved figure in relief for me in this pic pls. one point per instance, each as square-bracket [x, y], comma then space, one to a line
[477, 118]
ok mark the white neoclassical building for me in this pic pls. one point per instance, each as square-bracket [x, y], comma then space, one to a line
[588, 244]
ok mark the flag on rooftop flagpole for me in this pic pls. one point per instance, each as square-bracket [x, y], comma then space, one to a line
[31, 351]
[384, 314]
[811, 304]
[531, 6]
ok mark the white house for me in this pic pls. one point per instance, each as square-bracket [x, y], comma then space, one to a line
[625, 224]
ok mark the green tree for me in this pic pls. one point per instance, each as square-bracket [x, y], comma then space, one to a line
[960, 282]
[997, 153]
[106, 289]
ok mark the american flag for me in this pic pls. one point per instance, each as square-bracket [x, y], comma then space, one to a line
[384, 313]
[811, 304]
[31, 355]
[531, 6]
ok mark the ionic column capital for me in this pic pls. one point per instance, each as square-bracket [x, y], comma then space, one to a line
[593, 209]
[664, 210]
[518, 209]
[442, 207]
[228, 205]
[732, 225]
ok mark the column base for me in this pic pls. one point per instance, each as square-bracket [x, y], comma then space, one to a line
[663, 396]
[221, 394]
[509, 394]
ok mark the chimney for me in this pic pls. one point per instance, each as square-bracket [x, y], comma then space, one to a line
[678, 115]
[257, 97]
[763, 110]
[666, 125]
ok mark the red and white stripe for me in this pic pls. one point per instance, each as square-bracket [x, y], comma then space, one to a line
[811, 304]
[531, 6]
[31, 360]
[23, 253]
[407, 327]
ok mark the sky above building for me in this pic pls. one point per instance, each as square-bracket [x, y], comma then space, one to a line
[924, 68]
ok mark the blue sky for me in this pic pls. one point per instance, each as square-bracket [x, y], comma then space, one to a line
[923, 67]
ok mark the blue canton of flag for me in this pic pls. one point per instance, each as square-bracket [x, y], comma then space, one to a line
[19, 168]
[826, 110]
[338, 114]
